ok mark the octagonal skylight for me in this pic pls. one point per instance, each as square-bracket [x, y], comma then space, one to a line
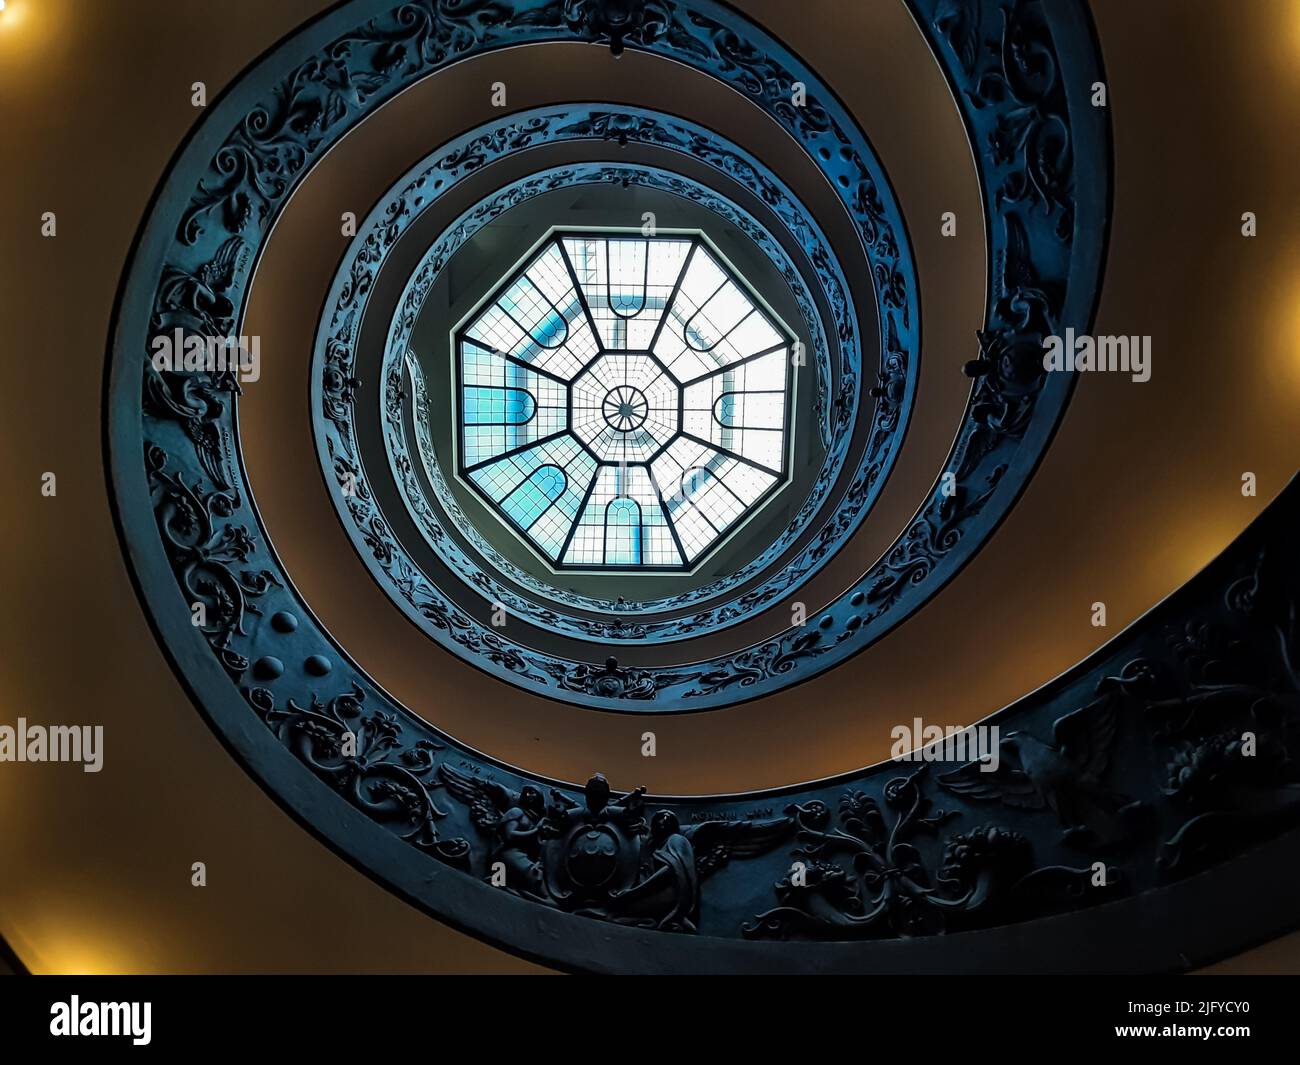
[624, 401]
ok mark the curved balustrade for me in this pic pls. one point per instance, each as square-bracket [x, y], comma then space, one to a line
[1119, 783]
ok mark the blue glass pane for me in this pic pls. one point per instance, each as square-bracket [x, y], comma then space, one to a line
[695, 480]
[550, 331]
[586, 440]
[622, 301]
[498, 406]
[726, 412]
[623, 533]
[535, 314]
[530, 500]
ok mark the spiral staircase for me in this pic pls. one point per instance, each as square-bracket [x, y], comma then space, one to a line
[651, 419]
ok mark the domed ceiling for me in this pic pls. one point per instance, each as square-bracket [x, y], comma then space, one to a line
[648, 418]
[623, 401]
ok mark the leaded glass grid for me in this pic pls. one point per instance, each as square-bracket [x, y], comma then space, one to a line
[624, 401]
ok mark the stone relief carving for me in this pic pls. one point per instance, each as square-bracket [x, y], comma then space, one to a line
[209, 557]
[1158, 765]
[862, 872]
[600, 857]
[367, 758]
[1224, 706]
[1065, 774]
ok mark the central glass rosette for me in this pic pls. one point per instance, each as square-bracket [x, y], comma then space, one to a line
[625, 407]
[624, 401]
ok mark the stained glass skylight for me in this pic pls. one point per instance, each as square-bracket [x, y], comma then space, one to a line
[624, 401]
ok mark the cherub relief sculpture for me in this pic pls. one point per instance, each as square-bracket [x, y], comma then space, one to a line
[599, 858]
[512, 819]
[674, 861]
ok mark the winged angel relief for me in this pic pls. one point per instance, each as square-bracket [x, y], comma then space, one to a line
[598, 857]
[1066, 775]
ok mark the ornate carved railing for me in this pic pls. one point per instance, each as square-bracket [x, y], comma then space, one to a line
[1137, 772]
